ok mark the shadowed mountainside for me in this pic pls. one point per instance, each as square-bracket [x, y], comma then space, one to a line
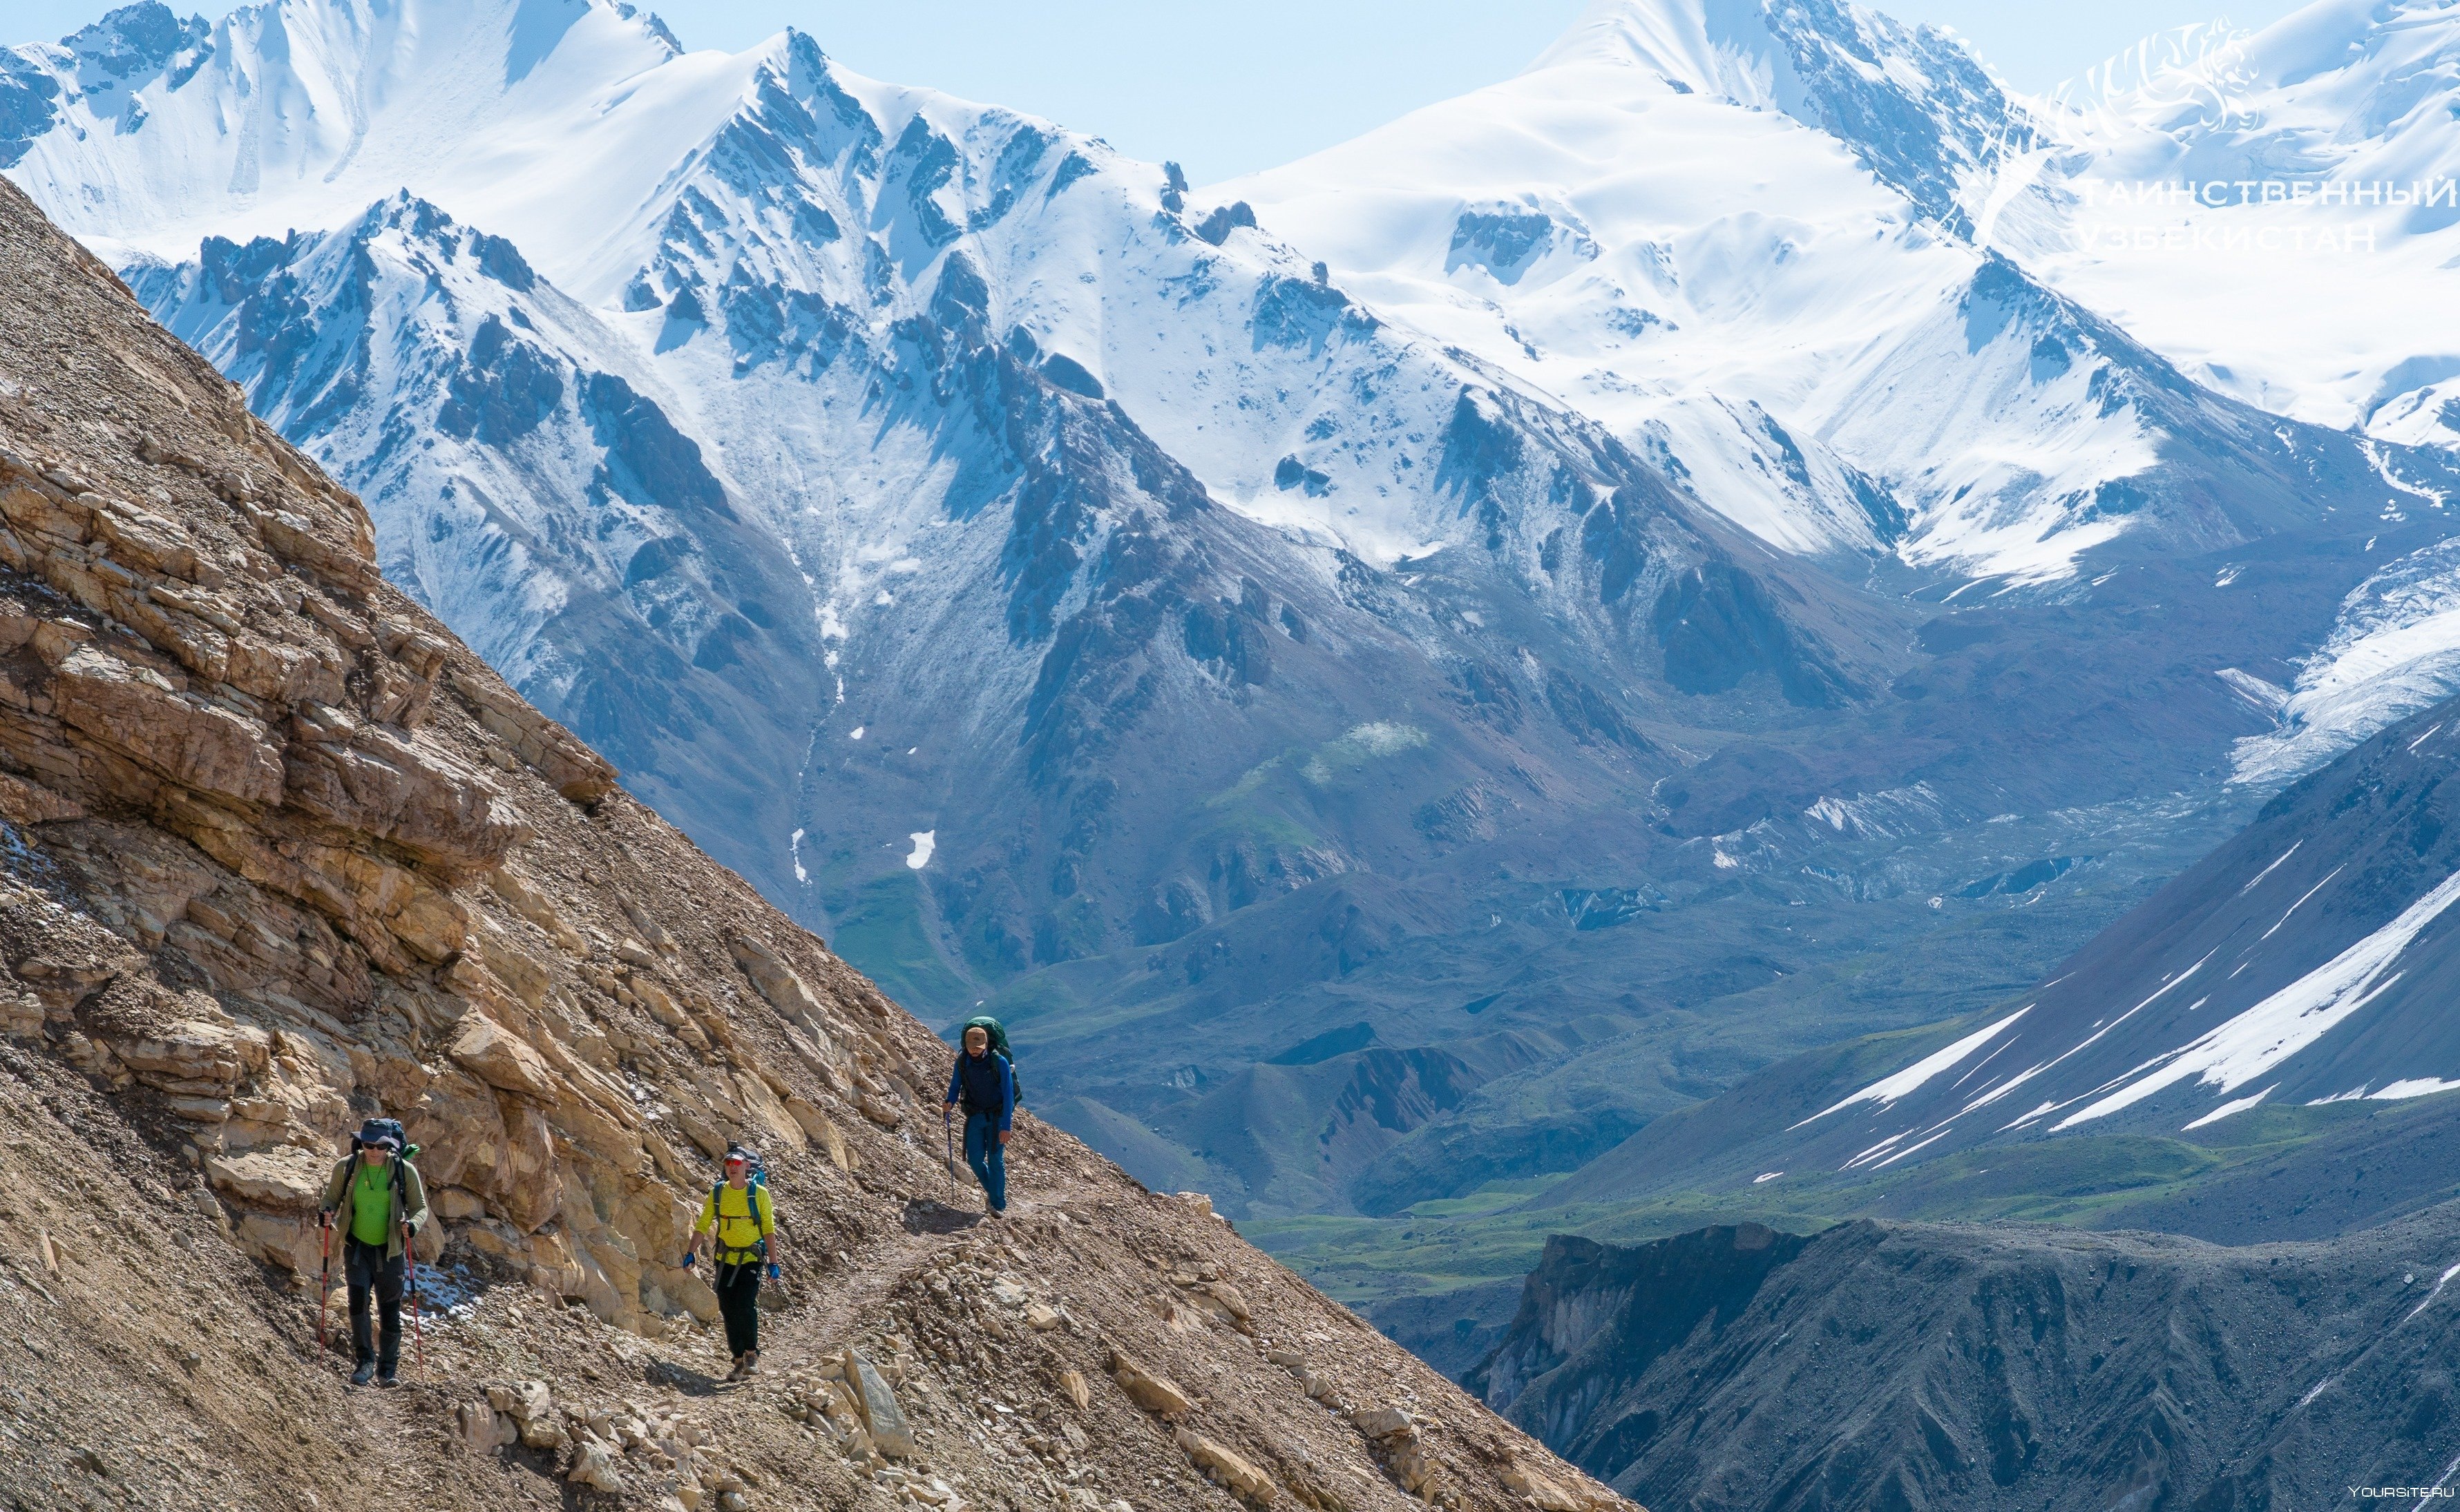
[1881, 1366]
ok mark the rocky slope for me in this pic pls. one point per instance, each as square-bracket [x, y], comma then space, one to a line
[280, 853]
[1879, 1366]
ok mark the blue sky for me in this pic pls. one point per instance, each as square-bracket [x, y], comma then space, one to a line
[1225, 88]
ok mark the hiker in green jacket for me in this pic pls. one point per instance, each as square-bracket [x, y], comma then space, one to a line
[740, 1223]
[382, 1205]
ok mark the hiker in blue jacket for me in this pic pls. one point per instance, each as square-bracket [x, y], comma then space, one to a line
[985, 1085]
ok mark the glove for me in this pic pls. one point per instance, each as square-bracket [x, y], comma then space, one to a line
[773, 1270]
[688, 1261]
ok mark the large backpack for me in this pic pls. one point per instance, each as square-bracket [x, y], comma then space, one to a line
[383, 1126]
[997, 1033]
[403, 1153]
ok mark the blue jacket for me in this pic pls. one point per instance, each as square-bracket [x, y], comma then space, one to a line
[999, 1068]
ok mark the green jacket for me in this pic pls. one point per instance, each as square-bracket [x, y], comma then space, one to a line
[409, 1198]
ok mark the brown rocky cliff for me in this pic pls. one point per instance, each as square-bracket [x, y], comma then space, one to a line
[280, 852]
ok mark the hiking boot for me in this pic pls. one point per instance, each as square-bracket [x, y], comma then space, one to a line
[736, 1374]
[386, 1377]
[365, 1373]
[745, 1366]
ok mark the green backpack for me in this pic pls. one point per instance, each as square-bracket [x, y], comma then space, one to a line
[999, 1047]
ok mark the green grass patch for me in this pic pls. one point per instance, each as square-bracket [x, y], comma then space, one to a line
[1248, 781]
[882, 934]
[1491, 1235]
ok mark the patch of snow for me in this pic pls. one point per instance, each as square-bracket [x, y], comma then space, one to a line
[1993, 1094]
[1911, 1150]
[2440, 1282]
[795, 852]
[1765, 1176]
[2234, 1105]
[857, 732]
[1888, 1090]
[2412, 1087]
[1867, 1154]
[2268, 870]
[2300, 904]
[2270, 697]
[926, 841]
[2251, 1042]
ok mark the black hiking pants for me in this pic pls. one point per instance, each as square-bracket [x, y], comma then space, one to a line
[739, 1302]
[371, 1273]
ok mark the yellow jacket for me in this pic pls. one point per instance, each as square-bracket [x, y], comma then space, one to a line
[743, 1218]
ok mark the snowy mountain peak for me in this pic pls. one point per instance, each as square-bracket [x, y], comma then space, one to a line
[150, 130]
[98, 70]
[128, 45]
[1912, 103]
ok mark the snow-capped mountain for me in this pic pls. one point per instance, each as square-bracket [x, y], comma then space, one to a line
[1613, 500]
[1752, 239]
[844, 324]
[532, 484]
[2274, 212]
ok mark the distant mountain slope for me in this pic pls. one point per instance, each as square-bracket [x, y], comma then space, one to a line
[1876, 1366]
[2309, 961]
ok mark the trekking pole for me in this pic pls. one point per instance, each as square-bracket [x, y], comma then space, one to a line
[949, 1138]
[417, 1340]
[324, 1282]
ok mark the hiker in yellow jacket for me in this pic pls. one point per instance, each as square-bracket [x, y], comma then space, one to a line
[741, 1225]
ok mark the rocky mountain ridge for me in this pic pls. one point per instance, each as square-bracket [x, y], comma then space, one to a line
[282, 853]
[1877, 1365]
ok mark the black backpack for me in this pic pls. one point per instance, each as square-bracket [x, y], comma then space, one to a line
[403, 1150]
[383, 1128]
[997, 1033]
